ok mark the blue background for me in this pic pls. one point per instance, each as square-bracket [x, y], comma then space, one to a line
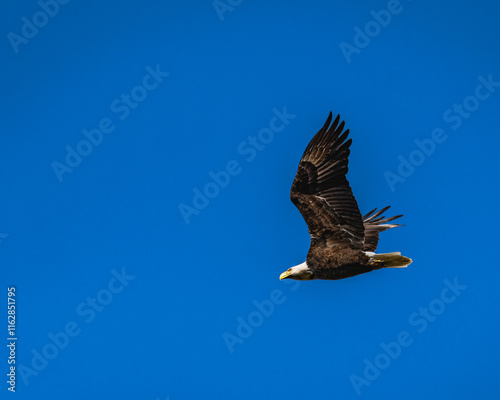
[163, 334]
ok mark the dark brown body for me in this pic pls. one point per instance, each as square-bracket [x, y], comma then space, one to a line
[339, 264]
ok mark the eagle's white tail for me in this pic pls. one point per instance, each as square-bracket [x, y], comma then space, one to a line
[390, 260]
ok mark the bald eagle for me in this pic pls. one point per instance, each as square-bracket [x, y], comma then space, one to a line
[342, 242]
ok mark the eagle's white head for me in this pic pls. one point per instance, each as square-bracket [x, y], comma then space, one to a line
[300, 272]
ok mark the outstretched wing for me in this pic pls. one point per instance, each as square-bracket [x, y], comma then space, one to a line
[374, 224]
[322, 193]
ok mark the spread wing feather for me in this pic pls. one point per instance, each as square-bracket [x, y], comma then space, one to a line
[375, 223]
[322, 193]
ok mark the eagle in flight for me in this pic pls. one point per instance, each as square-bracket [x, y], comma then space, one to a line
[342, 242]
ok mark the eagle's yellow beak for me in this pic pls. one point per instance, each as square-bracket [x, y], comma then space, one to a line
[285, 275]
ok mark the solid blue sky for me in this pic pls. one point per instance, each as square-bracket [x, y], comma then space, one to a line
[162, 335]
